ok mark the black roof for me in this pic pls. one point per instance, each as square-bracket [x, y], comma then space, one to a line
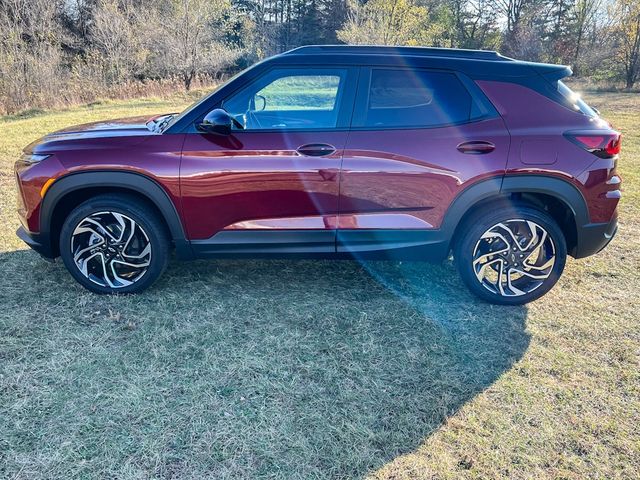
[487, 55]
[477, 63]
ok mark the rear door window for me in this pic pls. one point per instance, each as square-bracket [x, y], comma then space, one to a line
[414, 98]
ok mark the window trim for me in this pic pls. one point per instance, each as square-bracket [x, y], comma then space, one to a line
[478, 100]
[345, 100]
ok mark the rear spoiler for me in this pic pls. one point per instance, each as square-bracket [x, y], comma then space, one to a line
[552, 72]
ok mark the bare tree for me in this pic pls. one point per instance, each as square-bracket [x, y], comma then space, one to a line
[584, 13]
[512, 11]
[627, 14]
[118, 32]
[30, 56]
[475, 23]
[394, 22]
[192, 40]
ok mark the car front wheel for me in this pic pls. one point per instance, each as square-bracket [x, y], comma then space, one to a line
[112, 244]
[510, 256]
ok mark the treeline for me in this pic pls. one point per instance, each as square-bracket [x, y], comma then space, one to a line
[55, 52]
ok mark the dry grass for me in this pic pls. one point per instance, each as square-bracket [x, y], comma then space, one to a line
[58, 93]
[317, 369]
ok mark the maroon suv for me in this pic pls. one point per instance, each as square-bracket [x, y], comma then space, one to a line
[338, 151]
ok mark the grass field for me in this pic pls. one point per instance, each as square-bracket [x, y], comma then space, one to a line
[317, 369]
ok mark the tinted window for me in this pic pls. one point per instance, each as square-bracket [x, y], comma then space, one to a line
[414, 98]
[301, 92]
[289, 98]
[574, 100]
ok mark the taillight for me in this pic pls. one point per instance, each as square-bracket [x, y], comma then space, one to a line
[604, 145]
[613, 146]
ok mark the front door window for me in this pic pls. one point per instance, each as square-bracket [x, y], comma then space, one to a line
[299, 99]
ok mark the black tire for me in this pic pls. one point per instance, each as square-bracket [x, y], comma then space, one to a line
[469, 238]
[153, 233]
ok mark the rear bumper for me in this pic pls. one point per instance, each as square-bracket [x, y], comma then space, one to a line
[37, 242]
[593, 237]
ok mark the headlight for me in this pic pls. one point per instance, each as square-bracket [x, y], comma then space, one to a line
[33, 158]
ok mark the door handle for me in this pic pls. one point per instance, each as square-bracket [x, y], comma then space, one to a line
[476, 147]
[316, 149]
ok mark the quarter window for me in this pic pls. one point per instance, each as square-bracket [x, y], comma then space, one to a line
[414, 98]
[290, 99]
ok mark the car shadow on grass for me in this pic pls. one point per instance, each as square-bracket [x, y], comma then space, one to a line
[242, 368]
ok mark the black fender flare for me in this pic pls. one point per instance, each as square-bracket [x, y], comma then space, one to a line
[556, 187]
[135, 182]
[501, 187]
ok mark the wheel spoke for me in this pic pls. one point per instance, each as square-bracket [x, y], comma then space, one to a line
[105, 276]
[533, 229]
[101, 227]
[491, 235]
[541, 276]
[515, 290]
[84, 228]
[131, 233]
[80, 253]
[123, 222]
[82, 264]
[121, 281]
[512, 235]
[536, 248]
[487, 256]
[130, 264]
[481, 274]
[541, 268]
[499, 282]
[146, 251]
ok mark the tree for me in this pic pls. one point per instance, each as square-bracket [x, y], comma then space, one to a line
[627, 14]
[117, 31]
[284, 24]
[526, 27]
[512, 11]
[191, 38]
[30, 52]
[583, 16]
[391, 22]
[474, 23]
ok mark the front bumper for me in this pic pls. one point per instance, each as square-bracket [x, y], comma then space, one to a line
[593, 237]
[37, 242]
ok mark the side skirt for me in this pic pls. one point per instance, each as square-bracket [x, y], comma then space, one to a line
[419, 244]
[429, 245]
[266, 243]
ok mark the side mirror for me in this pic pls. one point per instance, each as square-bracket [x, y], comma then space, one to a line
[260, 103]
[218, 121]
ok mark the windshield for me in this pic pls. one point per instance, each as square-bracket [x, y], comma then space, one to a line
[575, 101]
[191, 107]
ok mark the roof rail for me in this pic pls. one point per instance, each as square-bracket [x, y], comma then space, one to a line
[386, 50]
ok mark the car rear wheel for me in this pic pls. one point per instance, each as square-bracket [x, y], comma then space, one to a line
[111, 244]
[511, 255]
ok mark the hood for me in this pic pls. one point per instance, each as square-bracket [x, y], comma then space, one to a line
[126, 126]
[129, 131]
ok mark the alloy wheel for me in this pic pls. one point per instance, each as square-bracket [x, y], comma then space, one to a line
[514, 257]
[111, 249]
